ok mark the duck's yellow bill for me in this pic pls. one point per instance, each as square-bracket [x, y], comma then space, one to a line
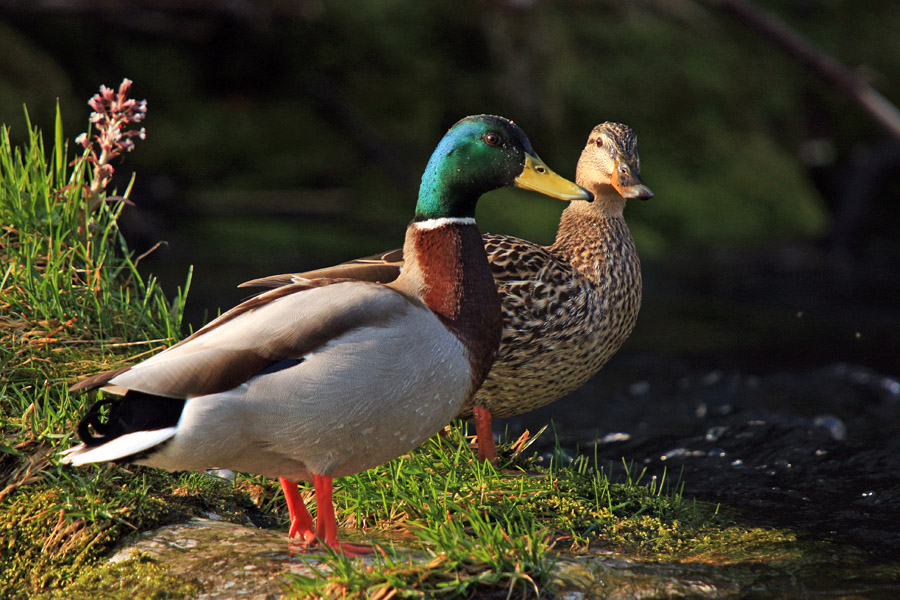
[537, 177]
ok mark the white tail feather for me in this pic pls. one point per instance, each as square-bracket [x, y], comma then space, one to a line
[120, 447]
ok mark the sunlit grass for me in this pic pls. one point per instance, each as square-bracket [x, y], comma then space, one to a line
[467, 528]
[67, 272]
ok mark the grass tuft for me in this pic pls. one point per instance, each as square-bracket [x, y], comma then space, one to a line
[478, 531]
[71, 301]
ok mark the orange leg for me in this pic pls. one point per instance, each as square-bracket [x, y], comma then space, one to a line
[327, 526]
[487, 450]
[301, 521]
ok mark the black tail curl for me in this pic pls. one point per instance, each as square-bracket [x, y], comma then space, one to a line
[135, 411]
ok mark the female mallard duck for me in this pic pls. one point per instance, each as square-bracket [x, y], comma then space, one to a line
[325, 378]
[568, 307]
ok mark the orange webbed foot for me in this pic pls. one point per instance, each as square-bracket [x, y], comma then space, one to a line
[301, 521]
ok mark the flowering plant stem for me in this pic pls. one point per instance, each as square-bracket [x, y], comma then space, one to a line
[114, 112]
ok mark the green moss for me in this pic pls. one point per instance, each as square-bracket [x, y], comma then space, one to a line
[138, 578]
[41, 546]
[55, 528]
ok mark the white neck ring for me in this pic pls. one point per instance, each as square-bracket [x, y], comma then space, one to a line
[443, 222]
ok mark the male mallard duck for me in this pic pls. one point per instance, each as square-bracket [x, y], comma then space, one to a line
[325, 378]
[568, 307]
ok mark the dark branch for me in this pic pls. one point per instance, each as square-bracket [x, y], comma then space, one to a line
[846, 81]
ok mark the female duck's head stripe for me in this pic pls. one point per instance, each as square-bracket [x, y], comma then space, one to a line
[443, 221]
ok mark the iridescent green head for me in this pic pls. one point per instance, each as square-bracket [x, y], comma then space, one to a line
[479, 154]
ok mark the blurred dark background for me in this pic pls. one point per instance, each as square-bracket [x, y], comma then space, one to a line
[287, 135]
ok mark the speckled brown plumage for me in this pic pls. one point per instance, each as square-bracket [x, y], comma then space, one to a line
[568, 307]
[561, 323]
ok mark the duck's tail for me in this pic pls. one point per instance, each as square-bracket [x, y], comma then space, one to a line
[123, 448]
[136, 423]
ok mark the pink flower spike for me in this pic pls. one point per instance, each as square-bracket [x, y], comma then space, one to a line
[113, 113]
[124, 87]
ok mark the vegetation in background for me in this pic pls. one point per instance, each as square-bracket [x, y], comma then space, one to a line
[353, 96]
[289, 136]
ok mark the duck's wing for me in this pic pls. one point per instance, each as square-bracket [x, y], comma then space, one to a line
[532, 283]
[286, 323]
[509, 257]
[514, 260]
[378, 268]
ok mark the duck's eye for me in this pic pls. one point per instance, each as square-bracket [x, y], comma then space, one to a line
[599, 142]
[491, 139]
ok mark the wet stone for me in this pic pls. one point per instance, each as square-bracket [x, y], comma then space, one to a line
[229, 561]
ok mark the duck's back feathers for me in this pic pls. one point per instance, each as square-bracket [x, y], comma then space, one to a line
[100, 380]
[374, 388]
[285, 323]
[378, 268]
